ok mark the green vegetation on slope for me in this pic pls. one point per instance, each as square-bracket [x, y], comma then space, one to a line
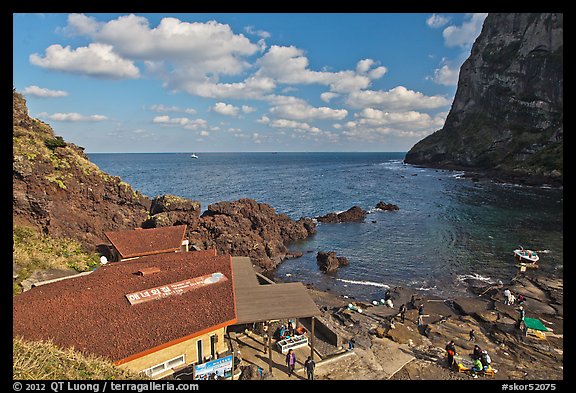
[43, 360]
[34, 251]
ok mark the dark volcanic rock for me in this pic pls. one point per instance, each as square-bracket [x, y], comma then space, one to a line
[248, 228]
[173, 203]
[386, 206]
[329, 262]
[506, 120]
[168, 210]
[471, 306]
[354, 214]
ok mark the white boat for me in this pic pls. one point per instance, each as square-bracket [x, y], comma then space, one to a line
[526, 256]
[194, 155]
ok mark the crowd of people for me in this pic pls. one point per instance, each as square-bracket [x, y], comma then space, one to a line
[481, 360]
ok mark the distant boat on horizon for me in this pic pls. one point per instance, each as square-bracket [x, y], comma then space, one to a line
[194, 155]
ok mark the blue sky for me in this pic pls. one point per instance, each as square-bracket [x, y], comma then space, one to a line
[241, 82]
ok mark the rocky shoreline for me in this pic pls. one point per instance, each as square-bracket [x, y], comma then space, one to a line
[515, 355]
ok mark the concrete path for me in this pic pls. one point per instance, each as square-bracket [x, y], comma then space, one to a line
[381, 361]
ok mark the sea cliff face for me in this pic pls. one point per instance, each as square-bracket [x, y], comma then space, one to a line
[507, 116]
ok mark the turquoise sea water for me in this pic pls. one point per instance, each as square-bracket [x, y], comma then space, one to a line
[448, 228]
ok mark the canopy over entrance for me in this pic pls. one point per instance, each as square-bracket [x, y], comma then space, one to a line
[259, 303]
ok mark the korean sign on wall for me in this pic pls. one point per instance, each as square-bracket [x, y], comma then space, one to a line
[176, 288]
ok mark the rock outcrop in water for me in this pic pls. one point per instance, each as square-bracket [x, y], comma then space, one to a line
[354, 214]
[386, 206]
[60, 192]
[329, 262]
[507, 116]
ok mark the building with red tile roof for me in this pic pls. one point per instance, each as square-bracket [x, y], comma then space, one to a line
[141, 242]
[149, 314]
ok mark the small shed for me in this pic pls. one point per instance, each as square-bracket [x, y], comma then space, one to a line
[135, 243]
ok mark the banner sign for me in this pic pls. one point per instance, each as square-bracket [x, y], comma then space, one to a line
[176, 288]
[214, 369]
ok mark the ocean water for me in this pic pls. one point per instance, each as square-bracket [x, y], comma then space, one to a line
[448, 228]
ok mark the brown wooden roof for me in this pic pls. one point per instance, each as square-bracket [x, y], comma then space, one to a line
[140, 242]
[92, 314]
[258, 303]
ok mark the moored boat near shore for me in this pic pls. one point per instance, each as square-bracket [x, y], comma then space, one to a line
[526, 256]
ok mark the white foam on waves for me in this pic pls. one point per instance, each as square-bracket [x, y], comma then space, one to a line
[375, 284]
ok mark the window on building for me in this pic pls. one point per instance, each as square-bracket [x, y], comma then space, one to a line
[175, 362]
[167, 365]
[159, 368]
[199, 352]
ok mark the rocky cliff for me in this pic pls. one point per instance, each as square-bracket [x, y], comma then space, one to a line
[57, 190]
[507, 116]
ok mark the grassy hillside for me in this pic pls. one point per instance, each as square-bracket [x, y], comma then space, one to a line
[33, 251]
[44, 360]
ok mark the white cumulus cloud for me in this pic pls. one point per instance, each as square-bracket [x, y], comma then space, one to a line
[72, 117]
[225, 109]
[298, 109]
[411, 119]
[289, 65]
[464, 35]
[259, 33]
[445, 76]
[173, 108]
[43, 92]
[190, 124]
[98, 60]
[248, 109]
[436, 21]
[182, 53]
[328, 95]
[398, 98]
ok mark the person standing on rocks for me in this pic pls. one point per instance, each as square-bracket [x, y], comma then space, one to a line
[421, 314]
[485, 359]
[451, 351]
[522, 314]
[265, 337]
[387, 295]
[412, 303]
[309, 365]
[290, 361]
[507, 294]
[472, 335]
[402, 312]
[477, 353]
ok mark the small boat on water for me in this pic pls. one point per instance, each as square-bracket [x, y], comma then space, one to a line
[527, 259]
[194, 155]
[526, 256]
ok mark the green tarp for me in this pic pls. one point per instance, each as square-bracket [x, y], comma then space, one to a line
[534, 323]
